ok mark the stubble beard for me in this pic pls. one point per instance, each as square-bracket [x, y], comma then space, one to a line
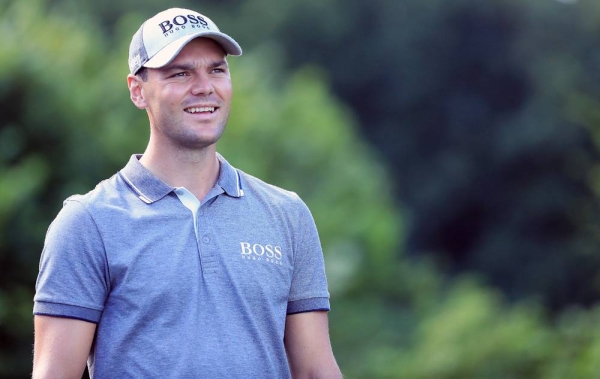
[188, 139]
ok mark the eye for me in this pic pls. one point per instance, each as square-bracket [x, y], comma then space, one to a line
[180, 74]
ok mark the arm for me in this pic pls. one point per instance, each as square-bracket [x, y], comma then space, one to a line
[61, 347]
[308, 347]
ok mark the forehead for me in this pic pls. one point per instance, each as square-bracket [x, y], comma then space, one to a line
[200, 49]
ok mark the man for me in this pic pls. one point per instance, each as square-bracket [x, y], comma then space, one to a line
[181, 266]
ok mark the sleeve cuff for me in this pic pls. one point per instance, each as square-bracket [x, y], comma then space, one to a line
[308, 305]
[66, 311]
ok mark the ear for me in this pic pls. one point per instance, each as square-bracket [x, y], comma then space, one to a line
[135, 85]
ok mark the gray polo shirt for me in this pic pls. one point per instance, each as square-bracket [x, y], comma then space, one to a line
[180, 288]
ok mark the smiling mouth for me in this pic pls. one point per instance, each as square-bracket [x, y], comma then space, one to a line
[194, 110]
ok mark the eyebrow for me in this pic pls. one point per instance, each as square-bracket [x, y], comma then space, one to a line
[189, 67]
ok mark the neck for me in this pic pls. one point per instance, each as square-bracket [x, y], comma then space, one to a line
[197, 170]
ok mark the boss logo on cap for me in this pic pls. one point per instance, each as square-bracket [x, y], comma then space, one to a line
[181, 21]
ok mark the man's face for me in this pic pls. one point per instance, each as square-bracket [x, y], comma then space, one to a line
[188, 101]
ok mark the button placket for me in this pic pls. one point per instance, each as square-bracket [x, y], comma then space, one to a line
[205, 241]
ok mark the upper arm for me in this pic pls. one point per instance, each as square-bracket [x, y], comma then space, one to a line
[61, 347]
[308, 346]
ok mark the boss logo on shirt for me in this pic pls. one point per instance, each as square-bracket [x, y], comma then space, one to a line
[258, 252]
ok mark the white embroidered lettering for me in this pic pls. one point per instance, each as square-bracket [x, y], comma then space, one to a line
[256, 252]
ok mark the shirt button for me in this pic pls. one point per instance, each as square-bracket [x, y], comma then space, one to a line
[205, 239]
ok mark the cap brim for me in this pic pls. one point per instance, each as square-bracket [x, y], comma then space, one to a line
[169, 52]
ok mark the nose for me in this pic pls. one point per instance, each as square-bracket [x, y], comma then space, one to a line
[202, 84]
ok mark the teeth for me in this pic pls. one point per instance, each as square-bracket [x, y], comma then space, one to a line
[200, 109]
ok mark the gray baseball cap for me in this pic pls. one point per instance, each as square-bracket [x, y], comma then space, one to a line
[160, 38]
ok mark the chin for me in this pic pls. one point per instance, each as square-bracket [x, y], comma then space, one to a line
[198, 144]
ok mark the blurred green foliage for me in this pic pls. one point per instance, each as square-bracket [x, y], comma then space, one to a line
[486, 113]
[476, 105]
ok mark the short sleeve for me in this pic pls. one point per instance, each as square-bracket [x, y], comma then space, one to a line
[73, 278]
[309, 283]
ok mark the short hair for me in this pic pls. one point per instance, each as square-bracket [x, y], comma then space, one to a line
[142, 74]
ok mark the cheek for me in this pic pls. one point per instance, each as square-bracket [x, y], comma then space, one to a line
[225, 90]
[164, 102]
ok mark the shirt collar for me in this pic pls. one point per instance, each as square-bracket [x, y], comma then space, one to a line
[229, 178]
[149, 188]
